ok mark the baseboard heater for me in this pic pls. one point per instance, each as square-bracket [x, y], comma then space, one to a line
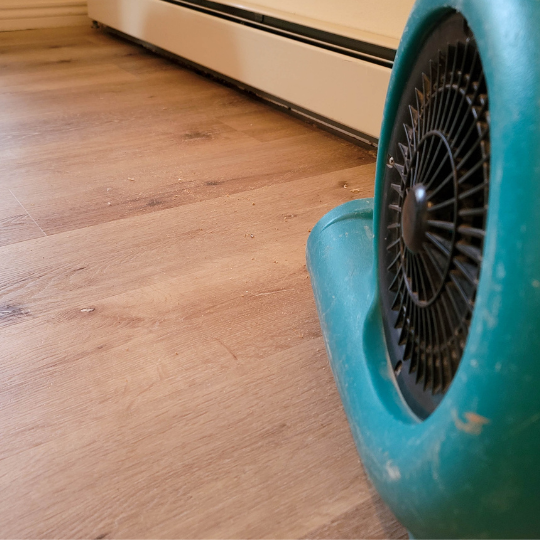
[331, 79]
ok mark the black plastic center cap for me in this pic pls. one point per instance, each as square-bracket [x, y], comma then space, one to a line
[414, 218]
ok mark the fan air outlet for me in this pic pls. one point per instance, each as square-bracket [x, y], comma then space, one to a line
[433, 214]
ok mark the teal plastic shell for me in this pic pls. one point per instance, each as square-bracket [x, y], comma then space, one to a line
[472, 468]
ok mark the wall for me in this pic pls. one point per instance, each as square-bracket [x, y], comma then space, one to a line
[27, 14]
[382, 18]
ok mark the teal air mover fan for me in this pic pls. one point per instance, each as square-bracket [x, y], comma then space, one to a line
[429, 295]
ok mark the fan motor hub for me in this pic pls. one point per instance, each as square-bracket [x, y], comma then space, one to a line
[414, 218]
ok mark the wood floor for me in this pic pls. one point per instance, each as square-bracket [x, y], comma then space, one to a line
[163, 373]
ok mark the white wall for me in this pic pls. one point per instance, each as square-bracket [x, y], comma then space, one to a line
[377, 21]
[27, 14]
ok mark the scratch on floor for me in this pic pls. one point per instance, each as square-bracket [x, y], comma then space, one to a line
[226, 348]
[29, 215]
[272, 292]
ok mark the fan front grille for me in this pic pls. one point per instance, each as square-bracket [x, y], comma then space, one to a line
[434, 214]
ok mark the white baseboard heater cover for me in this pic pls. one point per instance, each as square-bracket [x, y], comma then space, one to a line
[347, 91]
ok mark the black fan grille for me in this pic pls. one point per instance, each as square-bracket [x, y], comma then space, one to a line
[434, 215]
